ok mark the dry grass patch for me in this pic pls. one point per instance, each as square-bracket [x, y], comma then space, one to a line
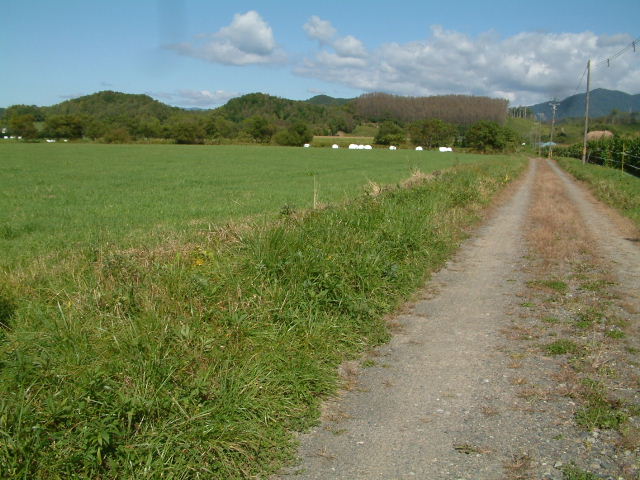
[518, 467]
[556, 231]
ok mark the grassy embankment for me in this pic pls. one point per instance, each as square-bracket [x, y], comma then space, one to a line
[198, 361]
[618, 189]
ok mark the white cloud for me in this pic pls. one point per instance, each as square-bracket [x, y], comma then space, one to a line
[248, 40]
[526, 68]
[249, 33]
[349, 47]
[319, 29]
[325, 34]
[196, 98]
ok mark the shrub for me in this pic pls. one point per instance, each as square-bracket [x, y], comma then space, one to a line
[432, 133]
[389, 133]
[485, 136]
[295, 136]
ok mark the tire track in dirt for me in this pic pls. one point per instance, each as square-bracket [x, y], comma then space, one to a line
[617, 249]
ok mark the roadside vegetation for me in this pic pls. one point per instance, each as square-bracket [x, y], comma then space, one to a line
[612, 186]
[615, 152]
[198, 360]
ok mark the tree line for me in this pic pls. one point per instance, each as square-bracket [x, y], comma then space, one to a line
[458, 109]
[114, 117]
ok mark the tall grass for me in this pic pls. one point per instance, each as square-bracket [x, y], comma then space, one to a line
[198, 362]
[616, 188]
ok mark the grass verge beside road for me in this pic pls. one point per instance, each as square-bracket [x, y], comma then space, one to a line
[618, 189]
[198, 361]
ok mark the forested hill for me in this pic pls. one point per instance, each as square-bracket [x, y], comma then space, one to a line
[327, 100]
[284, 111]
[108, 104]
[601, 103]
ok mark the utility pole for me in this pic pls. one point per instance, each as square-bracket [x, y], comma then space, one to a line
[586, 115]
[554, 105]
[539, 136]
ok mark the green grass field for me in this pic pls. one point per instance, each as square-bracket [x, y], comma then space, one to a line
[199, 360]
[55, 198]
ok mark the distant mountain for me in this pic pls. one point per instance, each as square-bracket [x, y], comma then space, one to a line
[327, 100]
[601, 103]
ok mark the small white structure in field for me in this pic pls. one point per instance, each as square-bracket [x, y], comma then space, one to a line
[65, 140]
[353, 146]
[368, 147]
[419, 149]
[50, 140]
[446, 149]
[12, 137]
[19, 137]
[360, 147]
[392, 147]
[6, 137]
[335, 145]
[306, 145]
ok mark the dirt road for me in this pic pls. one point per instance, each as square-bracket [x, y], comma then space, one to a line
[466, 389]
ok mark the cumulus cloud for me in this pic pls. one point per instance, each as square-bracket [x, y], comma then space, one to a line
[525, 68]
[318, 29]
[343, 47]
[248, 40]
[195, 98]
[349, 47]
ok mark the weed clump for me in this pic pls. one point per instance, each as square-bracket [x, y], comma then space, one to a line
[572, 472]
[599, 411]
[562, 347]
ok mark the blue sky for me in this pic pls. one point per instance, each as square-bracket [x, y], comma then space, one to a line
[201, 53]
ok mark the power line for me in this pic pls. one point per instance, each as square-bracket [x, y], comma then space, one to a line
[635, 44]
[581, 79]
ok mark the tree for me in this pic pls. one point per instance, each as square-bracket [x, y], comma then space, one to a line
[64, 126]
[486, 136]
[186, 131]
[259, 128]
[219, 127]
[14, 110]
[432, 133]
[22, 125]
[296, 135]
[390, 133]
[116, 135]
